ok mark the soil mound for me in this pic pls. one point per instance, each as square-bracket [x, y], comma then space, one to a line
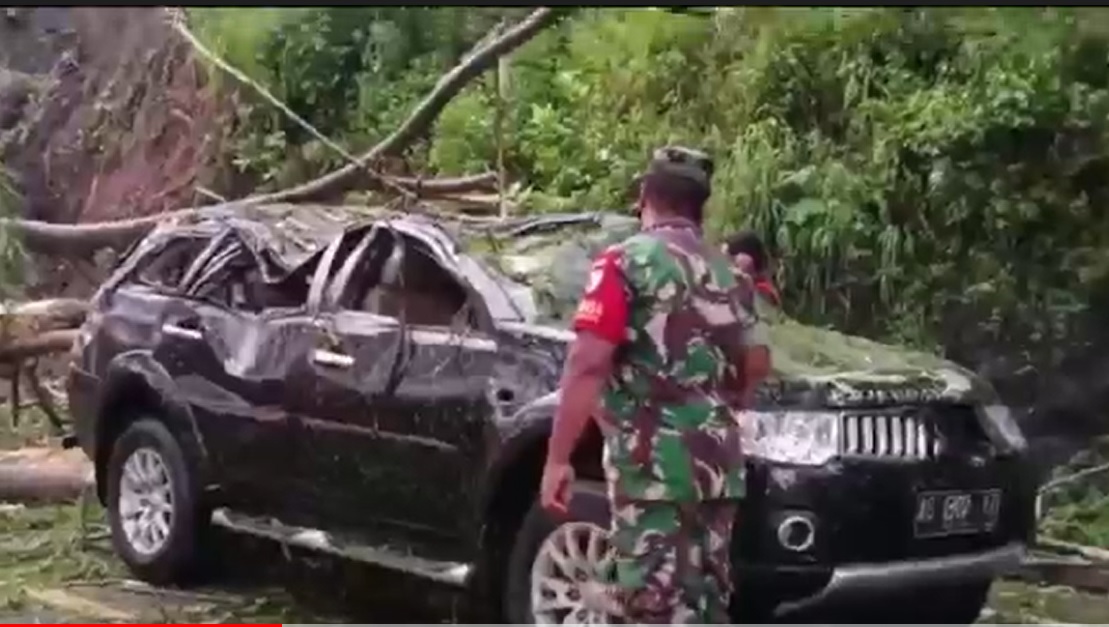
[123, 124]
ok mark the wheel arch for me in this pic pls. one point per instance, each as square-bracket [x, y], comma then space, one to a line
[512, 486]
[136, 385]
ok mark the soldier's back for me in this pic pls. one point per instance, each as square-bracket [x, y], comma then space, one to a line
[676, 437]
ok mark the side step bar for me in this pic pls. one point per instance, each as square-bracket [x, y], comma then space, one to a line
[450, 573]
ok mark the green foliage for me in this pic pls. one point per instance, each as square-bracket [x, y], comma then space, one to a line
[917, 170]
[927, 175]
[352, 72]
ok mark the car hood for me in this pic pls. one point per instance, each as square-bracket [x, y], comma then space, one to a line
[814, 367]
[546, 261]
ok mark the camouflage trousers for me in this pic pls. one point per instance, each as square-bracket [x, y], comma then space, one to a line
[672, 562]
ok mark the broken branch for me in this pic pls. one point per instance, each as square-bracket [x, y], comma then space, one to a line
[449, 85]
[1091, 553]
[42, 344]
[81, 240]
[177, 22]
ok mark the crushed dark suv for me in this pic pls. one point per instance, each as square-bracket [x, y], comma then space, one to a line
[381, 387]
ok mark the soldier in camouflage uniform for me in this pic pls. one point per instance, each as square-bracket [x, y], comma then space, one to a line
[665, 354]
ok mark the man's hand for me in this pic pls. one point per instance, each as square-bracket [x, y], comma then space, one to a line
[554, 492]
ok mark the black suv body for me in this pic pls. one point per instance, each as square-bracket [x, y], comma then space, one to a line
[383, 389]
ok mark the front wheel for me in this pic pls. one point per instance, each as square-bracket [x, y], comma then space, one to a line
[560, 572]
[153, 504]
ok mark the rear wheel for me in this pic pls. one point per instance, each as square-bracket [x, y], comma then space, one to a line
[154, 509]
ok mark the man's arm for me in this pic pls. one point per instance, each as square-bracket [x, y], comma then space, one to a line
[600, 322]
[587, 368]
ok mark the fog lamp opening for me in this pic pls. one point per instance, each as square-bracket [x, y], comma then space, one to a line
[796, 533]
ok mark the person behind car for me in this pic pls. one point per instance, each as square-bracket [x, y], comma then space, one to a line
[667, 354]
[749, 254]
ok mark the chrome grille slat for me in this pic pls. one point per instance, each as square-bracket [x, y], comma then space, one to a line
[866, 425]
[887, 435]
[881, 436]
[897, 436]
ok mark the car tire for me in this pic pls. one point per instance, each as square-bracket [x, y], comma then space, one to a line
[536, 530]
[154, 511]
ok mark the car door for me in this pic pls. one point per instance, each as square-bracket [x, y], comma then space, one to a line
[340, 388]
[220, 347]
[419, 450]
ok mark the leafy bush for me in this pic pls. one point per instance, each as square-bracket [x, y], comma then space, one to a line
[927, 175]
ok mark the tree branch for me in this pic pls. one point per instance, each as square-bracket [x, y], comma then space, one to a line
[81, 240]
[449, 85]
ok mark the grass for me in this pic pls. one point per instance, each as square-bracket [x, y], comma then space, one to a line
[56, 562]
[62, 550]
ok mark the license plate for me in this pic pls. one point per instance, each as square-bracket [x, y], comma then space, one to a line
[953, 512]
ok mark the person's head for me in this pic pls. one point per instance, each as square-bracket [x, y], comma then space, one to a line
[749, 252]
[676, 183]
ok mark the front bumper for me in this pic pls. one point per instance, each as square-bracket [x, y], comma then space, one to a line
[853, 582]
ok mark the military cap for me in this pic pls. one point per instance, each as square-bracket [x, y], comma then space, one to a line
[689, 163]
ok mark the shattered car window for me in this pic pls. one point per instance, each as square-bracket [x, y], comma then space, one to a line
[167, 267]
[233, 279]
[425, 292]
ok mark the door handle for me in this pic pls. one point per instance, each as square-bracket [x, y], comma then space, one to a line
[331, 358]
[183, 329]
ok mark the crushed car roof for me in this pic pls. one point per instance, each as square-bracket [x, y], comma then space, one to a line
[292, 234]
[549, 255]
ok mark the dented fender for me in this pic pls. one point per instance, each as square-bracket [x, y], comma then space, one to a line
[140, 368]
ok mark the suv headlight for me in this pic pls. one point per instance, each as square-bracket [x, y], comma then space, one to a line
[1002, 421]
[809, 438]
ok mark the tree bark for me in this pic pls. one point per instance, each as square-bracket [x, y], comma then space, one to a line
[81, 240]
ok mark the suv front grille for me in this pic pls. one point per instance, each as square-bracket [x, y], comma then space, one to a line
[906, 435]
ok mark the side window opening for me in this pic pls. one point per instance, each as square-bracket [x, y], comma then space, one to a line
[233, 280]
[168, 266]
[425, 292]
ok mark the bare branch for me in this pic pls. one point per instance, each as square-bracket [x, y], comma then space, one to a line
[421, 118]
[81, 240]
[42, 344]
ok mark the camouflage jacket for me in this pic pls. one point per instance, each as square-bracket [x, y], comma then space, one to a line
[673, 394]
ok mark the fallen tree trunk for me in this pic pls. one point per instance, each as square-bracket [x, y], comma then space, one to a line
[81, 240]
[38, 328]
[44, 475]
[57, 341]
